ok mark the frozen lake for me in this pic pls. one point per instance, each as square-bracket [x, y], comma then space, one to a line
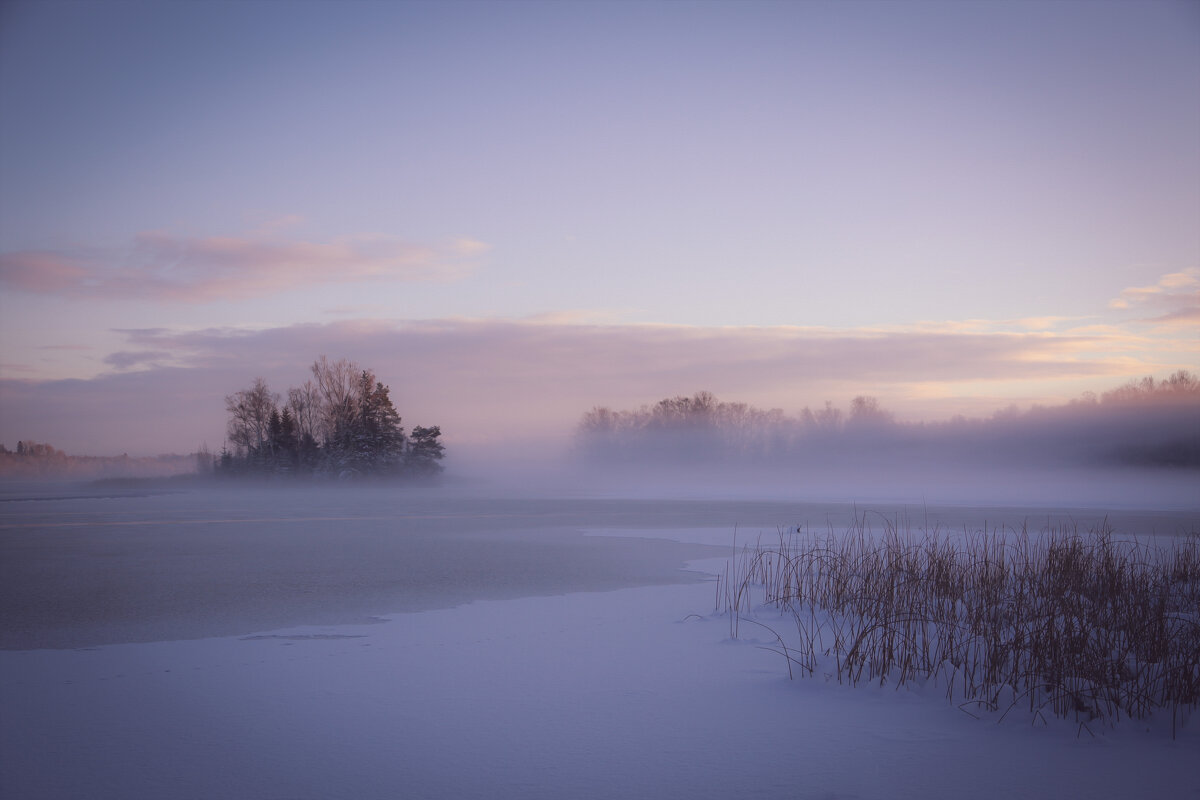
[372, 643]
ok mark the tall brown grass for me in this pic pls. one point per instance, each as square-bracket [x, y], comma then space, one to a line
[1083, 626]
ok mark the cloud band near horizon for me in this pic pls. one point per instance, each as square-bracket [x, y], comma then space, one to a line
[490, 381]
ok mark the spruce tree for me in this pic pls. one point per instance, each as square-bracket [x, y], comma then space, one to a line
[425, 452]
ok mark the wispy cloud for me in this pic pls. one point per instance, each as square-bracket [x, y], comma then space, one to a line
[674, 353]
[357, 309]
[9, 368]
[44, 272]
[1187, 316]
[1175, 298]
[163, 266]
[127, 359]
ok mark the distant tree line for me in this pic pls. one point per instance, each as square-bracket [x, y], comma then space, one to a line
[34, 449]
[36, 460]
[340, 424]
[1147, 422]
[701, 426]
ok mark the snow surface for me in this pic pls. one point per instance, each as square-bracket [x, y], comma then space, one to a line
[635, 693]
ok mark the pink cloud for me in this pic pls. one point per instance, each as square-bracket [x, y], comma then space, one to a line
[1187, 316]
[1176, 296]
[164, 266]
[42, 273]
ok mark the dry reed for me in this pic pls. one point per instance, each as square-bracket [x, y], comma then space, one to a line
[1086, 626]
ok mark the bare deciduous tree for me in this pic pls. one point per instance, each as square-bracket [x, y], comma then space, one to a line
[305, 406]
[250, 416]
[336, 385]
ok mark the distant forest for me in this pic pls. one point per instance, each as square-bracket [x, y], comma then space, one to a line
[1146, 423]
[35, 461]
[341, 424]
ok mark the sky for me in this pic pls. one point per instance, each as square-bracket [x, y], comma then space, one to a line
[515, 211]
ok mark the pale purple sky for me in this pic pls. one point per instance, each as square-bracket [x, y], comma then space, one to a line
[515, 211]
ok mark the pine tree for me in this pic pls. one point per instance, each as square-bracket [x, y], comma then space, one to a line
[281, 442]
[379, 436]
[425, 452]
[225, 462]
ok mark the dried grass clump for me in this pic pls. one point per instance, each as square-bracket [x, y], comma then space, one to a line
[1089, 626]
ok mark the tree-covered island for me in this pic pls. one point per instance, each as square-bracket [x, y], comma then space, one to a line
[340, 424]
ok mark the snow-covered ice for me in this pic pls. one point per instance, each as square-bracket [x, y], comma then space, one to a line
[634, 692]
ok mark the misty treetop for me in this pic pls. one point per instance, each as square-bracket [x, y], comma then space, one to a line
[1147, 422]
[341, 423]
[704, 427]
